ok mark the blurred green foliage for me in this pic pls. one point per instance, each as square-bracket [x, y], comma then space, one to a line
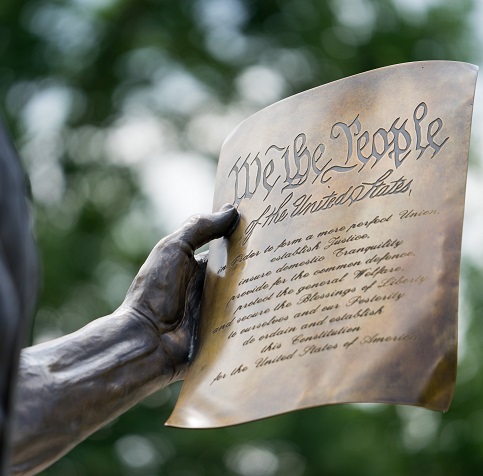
[73, 73]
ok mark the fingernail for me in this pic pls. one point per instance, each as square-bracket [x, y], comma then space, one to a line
[234, 225]
[226, 207]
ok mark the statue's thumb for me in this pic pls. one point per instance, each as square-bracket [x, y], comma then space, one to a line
[200, 229]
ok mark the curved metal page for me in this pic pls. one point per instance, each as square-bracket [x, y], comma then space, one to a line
[341, 282]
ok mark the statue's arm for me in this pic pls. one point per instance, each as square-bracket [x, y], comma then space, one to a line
[70, 387]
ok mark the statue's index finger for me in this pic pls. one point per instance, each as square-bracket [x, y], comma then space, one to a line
[200, 229]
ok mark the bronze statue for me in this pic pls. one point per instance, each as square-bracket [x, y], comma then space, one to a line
[70, 387]
[18, 280]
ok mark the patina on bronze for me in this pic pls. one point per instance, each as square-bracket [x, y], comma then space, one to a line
[341, 282]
